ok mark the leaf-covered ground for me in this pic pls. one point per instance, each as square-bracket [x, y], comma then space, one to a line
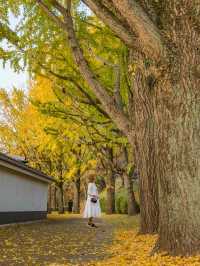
[66, 240]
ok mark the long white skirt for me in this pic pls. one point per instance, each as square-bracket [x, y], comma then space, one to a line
[92, 209]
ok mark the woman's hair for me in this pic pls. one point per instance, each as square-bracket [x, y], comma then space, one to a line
[91, 177]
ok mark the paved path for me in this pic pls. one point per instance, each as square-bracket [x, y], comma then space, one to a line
[59, 240]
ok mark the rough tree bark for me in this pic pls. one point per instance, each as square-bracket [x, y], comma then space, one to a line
[177, 113]
[144, 143]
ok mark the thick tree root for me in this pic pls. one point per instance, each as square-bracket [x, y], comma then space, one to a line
[155, 249]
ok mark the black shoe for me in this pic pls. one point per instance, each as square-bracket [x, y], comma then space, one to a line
[94, 225]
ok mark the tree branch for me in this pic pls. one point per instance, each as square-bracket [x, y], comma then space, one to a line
[50, 14]
[107, 101]
[58, 6]
[7, 33]
[93, 102]
[138, 20]
[117, 93]
[86, 94]
[117, 73]
[112, 21]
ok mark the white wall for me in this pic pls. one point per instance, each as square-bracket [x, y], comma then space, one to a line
[19, 192]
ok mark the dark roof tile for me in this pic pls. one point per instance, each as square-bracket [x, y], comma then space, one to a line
[23, 166]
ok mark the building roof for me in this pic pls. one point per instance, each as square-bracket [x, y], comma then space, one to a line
[19, 166]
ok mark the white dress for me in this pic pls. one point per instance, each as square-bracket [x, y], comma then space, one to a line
[92, 209]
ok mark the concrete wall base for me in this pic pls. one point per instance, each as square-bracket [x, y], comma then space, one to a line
[16, 217]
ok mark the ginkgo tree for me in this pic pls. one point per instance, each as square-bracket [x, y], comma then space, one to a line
[71, 156]
[110, 64]
[163, 105]
[101, 133]
[47, 143]
[70, 160]
[52, 58]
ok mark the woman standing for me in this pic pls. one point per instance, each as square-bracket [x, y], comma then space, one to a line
[92, 206]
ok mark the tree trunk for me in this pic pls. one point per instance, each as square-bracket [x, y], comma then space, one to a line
[179, 180]
[49, 208]
[178, 144]
[110, 193]
[122, 180]
[133, 207]
[143, 143]
[65, 199]
[53, 197]
[60, 200]
[76, 200]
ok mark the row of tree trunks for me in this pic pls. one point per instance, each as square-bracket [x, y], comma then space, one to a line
[55, 198]
[133, 207]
